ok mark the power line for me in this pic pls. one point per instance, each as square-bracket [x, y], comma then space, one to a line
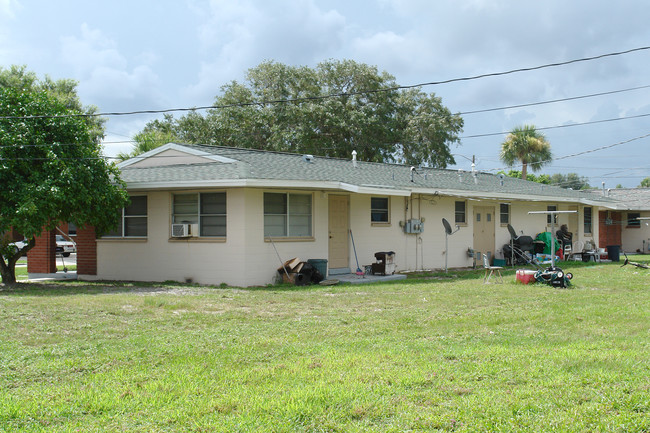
[341, 94]
[552, 101]
[594, 122]
[14, 146]
[572, 155]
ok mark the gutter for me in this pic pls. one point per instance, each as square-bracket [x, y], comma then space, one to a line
[360, 189]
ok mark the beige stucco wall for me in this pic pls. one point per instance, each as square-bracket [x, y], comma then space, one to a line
[245, 258]
[632, 238]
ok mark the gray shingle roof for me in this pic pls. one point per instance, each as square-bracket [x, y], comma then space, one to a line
[628, 198]
[261, 166]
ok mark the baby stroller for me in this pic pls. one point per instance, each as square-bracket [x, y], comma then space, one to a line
[520, 250]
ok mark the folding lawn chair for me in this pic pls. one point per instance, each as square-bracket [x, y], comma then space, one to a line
[490, 270]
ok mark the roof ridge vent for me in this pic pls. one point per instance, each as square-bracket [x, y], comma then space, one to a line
[308, 158]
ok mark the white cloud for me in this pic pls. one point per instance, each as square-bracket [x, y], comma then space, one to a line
[8, 8]
[90, 51]
[106, 80]
[236, 36]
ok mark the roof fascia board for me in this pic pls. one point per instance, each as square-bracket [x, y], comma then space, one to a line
[254, 183]
[520, 197]
[368, 190]
[179, 148]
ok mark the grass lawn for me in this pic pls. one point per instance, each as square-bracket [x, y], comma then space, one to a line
[434, 353]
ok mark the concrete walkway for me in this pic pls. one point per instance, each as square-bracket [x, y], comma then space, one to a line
[342, 278]
[70, 275]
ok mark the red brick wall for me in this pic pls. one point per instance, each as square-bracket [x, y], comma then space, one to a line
[15, 236]
[86, 251]
[41, 258]
[609, 234]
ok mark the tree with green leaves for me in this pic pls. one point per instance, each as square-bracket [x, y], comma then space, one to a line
[527, 146]
[51, 166]
[146, 141]
[645, 183]
[542, 178]
[570, 180]
[330, 110]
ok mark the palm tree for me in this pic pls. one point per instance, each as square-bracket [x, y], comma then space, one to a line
[526, 145]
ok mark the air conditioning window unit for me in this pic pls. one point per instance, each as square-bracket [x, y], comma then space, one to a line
[185, 230]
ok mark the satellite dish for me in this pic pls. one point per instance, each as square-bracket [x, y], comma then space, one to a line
[448, 232]
[513, 233]
[447, 226]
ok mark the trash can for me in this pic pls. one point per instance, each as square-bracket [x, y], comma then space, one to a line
[320, 265]
[614, 253]
[384, 264]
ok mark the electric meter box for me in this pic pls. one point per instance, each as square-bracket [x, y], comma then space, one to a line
[414, 226]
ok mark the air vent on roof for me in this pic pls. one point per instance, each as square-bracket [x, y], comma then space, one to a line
[308, 158]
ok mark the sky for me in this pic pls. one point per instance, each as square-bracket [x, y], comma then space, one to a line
[161, 54]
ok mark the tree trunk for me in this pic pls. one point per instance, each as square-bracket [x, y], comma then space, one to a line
[8, 272]
[524, 170]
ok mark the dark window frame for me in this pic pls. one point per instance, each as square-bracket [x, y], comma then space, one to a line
[129, 219]
[587, 220]
[633, 220]
[380, 214]
[550, 208]
[504, 215]
[460, 215]
[289, 213]
[195, 213]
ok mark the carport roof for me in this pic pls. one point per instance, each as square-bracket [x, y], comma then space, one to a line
[628, 198]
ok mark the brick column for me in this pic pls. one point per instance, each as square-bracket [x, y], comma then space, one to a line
[609, 234]
[86, 251]
[42, 258]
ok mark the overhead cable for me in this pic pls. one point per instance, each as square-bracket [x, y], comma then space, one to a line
[572, 155]
[552, 101]
[336, 95]
[593, 122]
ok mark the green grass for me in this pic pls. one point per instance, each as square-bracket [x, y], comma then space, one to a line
[441, 352]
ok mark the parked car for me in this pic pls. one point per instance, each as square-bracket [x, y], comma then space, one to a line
[18, 245]
[64, 246]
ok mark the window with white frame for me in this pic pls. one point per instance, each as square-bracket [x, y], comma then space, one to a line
[504, 213]
[133, 220]
[460, 212]
[379, 210]
[207, 209]
[287, 215]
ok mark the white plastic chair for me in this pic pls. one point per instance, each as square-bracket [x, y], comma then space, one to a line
[578, 247]
[491, 270]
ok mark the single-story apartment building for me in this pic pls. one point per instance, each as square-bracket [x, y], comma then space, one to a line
[628, 223]
[212, 215]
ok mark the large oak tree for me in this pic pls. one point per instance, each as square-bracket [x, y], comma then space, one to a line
[329, 110]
